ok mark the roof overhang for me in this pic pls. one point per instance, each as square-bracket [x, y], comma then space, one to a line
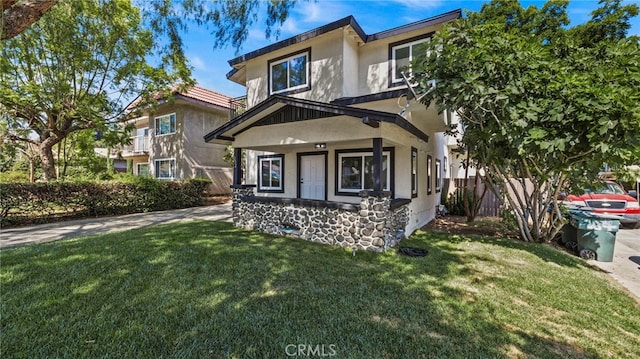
[279, 109]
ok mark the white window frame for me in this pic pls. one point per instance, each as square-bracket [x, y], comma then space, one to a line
[396, 78]
[414, 172]
[271, 159]
[341, 155]
[289, 88]
[438, 172]
[157, 120]
[156, 168]
[138, 168]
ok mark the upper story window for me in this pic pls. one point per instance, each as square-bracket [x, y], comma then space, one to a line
[165, 125]
[290, 73]
[400, 56]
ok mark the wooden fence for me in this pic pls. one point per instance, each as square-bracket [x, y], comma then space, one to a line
[490, 204]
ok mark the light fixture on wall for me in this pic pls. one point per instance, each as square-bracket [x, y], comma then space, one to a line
[320, 145]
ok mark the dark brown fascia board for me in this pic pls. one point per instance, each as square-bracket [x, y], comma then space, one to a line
[438, 19]
[346, 101]
[374, 115]
[349, 20]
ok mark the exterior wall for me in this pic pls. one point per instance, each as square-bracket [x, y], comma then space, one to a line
[372, 225]
[374, 61]
[327, 70]
[350, 54]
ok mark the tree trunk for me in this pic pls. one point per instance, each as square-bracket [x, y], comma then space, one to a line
[46, 156]
[32, 169]
[19, 15]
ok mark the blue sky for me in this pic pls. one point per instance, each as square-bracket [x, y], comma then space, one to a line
[210, 65]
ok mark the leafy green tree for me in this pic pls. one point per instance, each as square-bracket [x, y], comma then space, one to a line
[229, 20]
[76, 70]
[540, 103]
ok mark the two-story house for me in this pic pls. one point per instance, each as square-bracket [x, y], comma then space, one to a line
[168, 142]
[334, 154]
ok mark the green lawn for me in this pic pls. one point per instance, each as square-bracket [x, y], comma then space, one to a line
[206, 289]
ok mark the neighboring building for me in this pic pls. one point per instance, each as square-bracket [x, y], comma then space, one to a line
[168, 143]
[331, 154]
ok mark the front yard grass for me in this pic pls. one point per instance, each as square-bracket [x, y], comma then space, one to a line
[206, 289]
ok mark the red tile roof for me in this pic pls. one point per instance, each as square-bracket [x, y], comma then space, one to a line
[196, 93]
[204, 95]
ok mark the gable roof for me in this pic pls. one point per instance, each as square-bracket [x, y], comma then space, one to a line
[278, 109]
[195, 94]
[347, 21]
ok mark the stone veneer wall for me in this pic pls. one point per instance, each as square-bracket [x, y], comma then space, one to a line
[372, 225]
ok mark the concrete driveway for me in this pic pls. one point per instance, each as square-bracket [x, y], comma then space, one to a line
[85, 227]
[625, 267]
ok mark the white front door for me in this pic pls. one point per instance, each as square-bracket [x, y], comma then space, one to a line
[312, 177]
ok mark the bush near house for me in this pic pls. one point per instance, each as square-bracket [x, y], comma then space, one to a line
[24, 203]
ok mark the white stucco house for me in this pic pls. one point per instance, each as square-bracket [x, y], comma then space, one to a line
[331, 156]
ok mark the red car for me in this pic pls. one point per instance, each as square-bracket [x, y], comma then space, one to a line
[608, 197]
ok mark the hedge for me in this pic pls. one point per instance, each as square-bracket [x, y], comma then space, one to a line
[25, 203]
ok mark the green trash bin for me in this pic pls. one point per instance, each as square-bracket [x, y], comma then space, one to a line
[595, 234]
[569, 233]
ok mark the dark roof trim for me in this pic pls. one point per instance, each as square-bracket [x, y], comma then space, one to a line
[448, 16]
[347, 21]
[337, 110]
[346, 101]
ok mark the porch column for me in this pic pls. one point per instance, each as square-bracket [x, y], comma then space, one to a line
[237, 166]
[377, 165]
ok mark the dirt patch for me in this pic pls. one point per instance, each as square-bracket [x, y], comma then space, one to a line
[484, 226]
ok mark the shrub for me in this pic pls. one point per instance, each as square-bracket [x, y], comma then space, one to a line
[455, 202]
[43, 202]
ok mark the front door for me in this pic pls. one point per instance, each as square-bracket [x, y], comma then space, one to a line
[312, 177]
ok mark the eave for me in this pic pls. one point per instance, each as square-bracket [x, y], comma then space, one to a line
[279, 109]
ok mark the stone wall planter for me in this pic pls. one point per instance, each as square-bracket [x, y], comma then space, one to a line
[372, 225]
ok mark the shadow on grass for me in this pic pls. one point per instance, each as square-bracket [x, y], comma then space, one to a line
[206, 289]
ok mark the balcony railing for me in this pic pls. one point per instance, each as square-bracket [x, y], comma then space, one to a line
[237, 106]
[139, 145]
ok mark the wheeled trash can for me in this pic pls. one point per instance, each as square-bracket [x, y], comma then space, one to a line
[595, 234]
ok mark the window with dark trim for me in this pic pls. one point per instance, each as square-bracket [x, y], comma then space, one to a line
[142, 169]
[401, 54]
[270, 173]
[438, 171]
[429, 164]
[290, 74]
[414, 172]
[354, 169]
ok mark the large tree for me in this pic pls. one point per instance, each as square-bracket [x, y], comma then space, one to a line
[229, 20]
[541, 104]
[77, 68]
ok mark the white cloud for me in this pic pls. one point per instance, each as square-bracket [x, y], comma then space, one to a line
[197, 62]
